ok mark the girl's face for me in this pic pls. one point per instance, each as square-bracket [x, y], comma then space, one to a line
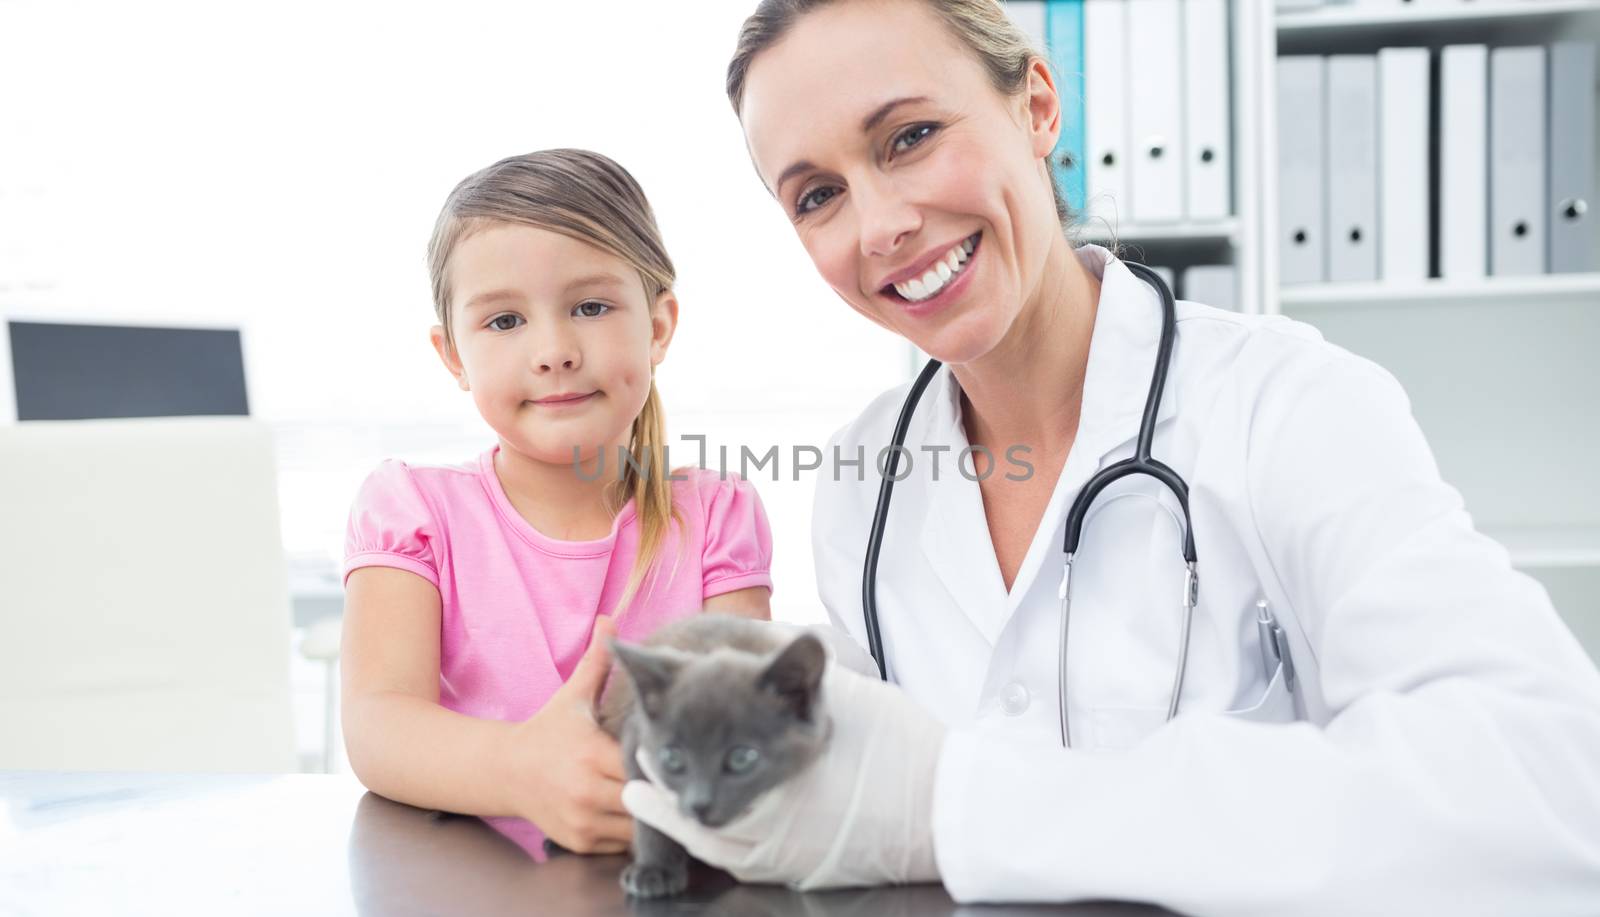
[555, 338]
[921, 193]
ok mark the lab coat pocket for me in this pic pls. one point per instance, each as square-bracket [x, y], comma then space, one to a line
[1276, 704]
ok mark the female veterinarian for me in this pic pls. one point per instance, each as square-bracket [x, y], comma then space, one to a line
[1193, 618]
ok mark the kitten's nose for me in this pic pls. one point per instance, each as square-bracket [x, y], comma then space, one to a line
[701, 808]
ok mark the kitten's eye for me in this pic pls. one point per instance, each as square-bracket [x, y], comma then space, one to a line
[741, 758]
[672, 759]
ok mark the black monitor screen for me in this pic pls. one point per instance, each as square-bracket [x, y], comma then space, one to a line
[80, 372]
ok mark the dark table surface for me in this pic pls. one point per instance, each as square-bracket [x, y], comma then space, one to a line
[311, 844]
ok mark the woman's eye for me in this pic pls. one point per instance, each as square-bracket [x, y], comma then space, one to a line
[912, 136]
[815, 198]
[672, 760]
[741, 759]
[592, 309]
[495, 322]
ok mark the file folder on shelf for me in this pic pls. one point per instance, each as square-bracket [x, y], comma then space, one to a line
[1302, 251]
[1517, 168]
[1155, 116]
[1064, 33]
[1403, 90]
[1572, 165]
[1212, 284]
[1207, 103]
[1463, 161]
[1106, 81]
[1352, 133]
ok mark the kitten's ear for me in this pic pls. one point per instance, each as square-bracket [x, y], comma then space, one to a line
[795, 675]
[651, 672]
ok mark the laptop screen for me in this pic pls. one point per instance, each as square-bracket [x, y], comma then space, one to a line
[81, 372]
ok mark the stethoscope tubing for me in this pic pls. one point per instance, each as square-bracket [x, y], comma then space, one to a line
[1140, 463]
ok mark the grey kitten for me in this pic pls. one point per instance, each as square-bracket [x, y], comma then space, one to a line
[726, 708]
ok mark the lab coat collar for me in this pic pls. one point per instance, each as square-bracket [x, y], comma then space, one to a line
[1122, 352]
[1122, 356]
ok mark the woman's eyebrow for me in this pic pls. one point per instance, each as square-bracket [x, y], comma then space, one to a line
[871, 121]
[882, 111]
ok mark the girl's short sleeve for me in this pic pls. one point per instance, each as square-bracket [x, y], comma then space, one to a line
[738, 542]
[391, 525]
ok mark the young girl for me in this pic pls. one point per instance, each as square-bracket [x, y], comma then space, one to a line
[478, 595]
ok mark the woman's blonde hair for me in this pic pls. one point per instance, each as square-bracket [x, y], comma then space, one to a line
[588, 197]
[981, 25]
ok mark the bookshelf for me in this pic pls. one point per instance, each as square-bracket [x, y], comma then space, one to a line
[1503, 372]
[1344, 19]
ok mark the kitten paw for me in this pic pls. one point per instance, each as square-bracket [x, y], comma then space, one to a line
[653, 881]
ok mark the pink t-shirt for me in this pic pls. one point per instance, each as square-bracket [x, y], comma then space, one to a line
[517, 607]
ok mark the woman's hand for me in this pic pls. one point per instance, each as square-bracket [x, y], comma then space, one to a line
[565, 774]
[860, 815]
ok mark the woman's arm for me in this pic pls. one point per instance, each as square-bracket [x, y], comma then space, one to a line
[557, 769]
[1459, 771]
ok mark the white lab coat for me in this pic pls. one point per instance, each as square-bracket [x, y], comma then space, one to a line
[1447, 757]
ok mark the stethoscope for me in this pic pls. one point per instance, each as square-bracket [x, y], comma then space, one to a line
[1140, 463]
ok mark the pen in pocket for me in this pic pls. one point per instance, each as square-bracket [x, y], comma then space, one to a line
[1265, 640]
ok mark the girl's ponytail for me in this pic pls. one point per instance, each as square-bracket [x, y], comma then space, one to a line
[650, 490]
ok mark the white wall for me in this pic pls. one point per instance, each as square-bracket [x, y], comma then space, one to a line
[280, 165]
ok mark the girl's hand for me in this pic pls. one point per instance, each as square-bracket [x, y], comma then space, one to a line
[565, 773]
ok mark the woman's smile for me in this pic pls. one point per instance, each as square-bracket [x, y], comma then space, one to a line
[929, 289]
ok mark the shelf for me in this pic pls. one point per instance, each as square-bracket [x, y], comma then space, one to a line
[1221, 231]
[1343, 18]
[1570, 546]
[1539, 290]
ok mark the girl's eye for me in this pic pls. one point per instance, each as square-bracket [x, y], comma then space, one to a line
[672, 759]
[495, 322]
[741, 758]
[815, 198]
[592, 309]
[912, 136]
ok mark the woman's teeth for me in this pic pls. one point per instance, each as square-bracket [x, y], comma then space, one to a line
[936, 277]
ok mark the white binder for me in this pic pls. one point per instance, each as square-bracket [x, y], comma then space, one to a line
[1302, 250]
[1352, 128]
[1572, 101]
[1403, 89]
[1106, 81]
[1517, 168]
[1463, 161]
[1209, 161]
[1156, 114]
[1212, 284]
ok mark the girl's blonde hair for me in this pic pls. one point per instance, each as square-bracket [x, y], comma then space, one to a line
[981, 25]
[588, 197]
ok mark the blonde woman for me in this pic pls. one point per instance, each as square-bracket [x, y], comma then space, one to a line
[1435, 748]
[478, 595]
